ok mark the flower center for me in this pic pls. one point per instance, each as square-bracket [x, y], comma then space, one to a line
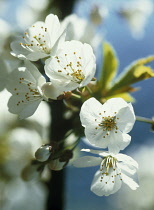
[78, 76]
[30, 94]
[73, 68]
[108, 163]
[109, 167]
[109, 123]
[36, 39]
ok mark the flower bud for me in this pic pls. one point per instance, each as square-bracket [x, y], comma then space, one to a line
[59, 163]
[56, 165]
[43, 153]
[50, 91]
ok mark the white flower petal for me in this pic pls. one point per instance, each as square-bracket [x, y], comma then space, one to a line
[114, 105]
[82, 30]
[127, 159]
[50, 91]
[34, 56]
[29, 109]
[17, 50]
[106, 186]
[114, 141]
[127, 168]
[24, 83]
[87, 161]
[53, 24]
[96, 137]
[118, 141]
[24, 110]
[34, 71]
[126, 118]
[130, 182]
[90, 111]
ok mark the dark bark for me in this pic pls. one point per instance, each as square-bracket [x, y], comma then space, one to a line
[65, 6]
[59, 128]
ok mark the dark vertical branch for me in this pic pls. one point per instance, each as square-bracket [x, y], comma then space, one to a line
[55, 199]
[59, 127]
[56, 191]
[65, 6]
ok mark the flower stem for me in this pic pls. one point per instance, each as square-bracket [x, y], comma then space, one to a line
[76, 96]
[144, 119]
[89, 90]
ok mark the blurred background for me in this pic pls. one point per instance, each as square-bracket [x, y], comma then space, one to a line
[128, 27]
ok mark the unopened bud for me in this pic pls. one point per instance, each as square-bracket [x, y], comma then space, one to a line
[49, 91]
[56, 165]
[43, 153]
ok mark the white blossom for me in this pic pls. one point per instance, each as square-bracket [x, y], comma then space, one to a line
[18, 194]
[40, 40]
[136, 14]
[17, 149]
[28, 88]
[21, 145]
[82, 30]
[107, 125]
[73, 66]
[144, 154]
[114, 169]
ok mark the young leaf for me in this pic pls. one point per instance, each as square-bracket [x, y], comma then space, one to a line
[110, 64]
[134, 73]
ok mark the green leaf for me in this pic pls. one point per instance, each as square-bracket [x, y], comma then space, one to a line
[109, 69]
[134, 73]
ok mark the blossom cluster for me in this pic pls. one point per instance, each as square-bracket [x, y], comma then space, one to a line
[68, 65]
[54, 62]
[107, 126]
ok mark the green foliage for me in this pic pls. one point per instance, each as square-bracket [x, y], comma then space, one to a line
[109, 68]
[134, 73]
[109, 86]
